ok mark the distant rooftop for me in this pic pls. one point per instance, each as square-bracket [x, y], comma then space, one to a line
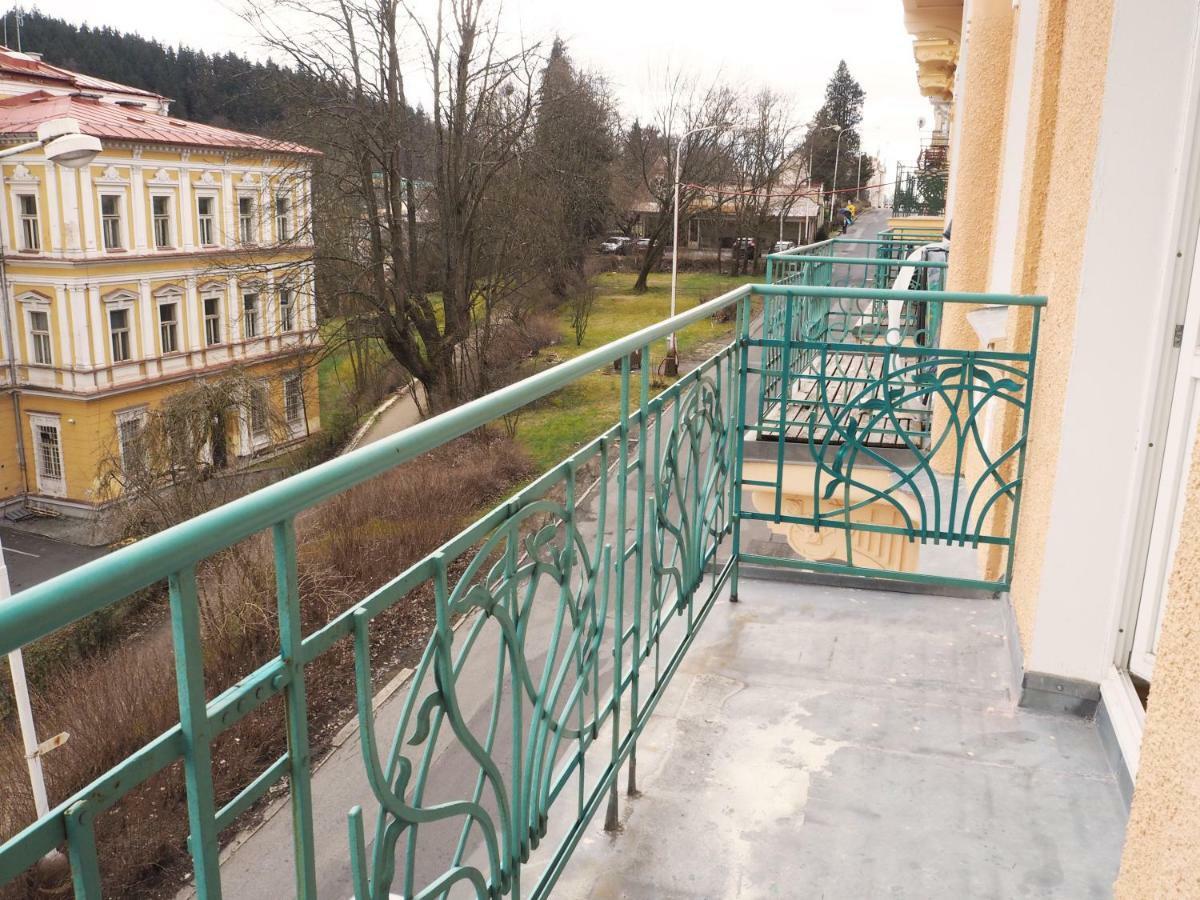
[30, 67]
[21, 115]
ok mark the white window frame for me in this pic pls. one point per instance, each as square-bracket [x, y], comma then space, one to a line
[126, 309]
[287, 311]
[48, 482]
[29, 226]
[255, 439]
[119, 219]
[251, 315]
[41, 309]
[218, 299]
[168, 326]
[291, 382]
[212, 217]
[247, 224]
[169, 197]
[123, 418]
[283, 220]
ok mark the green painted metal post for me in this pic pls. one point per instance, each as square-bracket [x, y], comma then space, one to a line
[612, 817]
[81, 851]
[745, 308]
[639, 575]
[291, 635]
[193, 718]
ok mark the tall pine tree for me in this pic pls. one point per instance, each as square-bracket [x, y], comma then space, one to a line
[843, 107]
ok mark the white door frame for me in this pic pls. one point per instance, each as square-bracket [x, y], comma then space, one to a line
[1162, 451]
[52, 487]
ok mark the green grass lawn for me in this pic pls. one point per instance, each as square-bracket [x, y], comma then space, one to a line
[555, 427]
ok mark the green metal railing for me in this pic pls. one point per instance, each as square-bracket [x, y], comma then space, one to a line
[920, 191]
[841, 319]
[936, 434]
[557, 630]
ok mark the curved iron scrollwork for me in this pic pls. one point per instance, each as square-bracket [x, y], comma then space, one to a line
[970, 389]
[691, 492]
[542, 606]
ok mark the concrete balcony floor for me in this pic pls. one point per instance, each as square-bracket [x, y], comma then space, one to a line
[828, 742]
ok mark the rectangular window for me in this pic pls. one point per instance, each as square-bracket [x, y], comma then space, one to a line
[212, 320]
[110, 220]
[30, 233]
[246, 219]
[129, 436]
[283, 217]
[49, 452]
[204, 209]
[118, 330]
[293, 401]
[39, 329]
[258, 411]
[287, 311]
[168, 326]
[249, 316]
[161, 209]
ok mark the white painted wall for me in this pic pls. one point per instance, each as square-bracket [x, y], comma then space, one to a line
[1133, 254]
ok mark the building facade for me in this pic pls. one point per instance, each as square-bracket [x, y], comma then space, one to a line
[182, 251]
[1051, 108]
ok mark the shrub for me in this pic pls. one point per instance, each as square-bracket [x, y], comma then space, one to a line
[117, 701]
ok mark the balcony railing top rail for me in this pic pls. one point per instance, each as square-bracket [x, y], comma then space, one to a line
[578, 621]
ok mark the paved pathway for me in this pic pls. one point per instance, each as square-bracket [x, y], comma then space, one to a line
[400, 415]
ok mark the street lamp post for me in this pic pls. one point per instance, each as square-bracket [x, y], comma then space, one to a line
[66, 145]
[671, 363]
[811, 145]
[837, 156]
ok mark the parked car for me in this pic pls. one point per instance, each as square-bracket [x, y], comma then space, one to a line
[780, 246]
[617, 243]
[642, 244]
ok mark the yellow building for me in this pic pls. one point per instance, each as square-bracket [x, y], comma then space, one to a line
[181, 251]
[1075, 173]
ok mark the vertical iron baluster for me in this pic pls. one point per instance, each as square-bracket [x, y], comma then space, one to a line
[291, 636]
[737, 443]
[785, 395]
[193, 720]
[639, 574]
[619, 529]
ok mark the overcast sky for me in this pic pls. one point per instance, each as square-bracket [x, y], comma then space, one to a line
[790, 47]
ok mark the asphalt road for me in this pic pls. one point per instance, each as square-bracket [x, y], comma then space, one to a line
[32, 558]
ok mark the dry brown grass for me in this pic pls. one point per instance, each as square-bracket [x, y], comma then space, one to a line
[118, 700]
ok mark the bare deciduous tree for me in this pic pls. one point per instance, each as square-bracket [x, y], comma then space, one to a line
[167, 465]
[650, 157]
[404, 192]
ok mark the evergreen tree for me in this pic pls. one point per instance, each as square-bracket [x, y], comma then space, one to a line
[574, 143]
[842, 109]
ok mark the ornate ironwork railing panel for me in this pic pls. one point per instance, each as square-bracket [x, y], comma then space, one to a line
[944, 477]
[577, 614]
[841, 319]
[561, 615]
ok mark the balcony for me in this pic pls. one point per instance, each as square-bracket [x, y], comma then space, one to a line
[847, 727]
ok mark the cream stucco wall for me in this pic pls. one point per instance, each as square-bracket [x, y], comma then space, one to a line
[1068, 86]
[1162, 848]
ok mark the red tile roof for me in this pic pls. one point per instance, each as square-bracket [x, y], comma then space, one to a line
[27, 68]
[21, 115]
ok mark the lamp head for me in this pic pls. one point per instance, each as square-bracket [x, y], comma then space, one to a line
[73, 150]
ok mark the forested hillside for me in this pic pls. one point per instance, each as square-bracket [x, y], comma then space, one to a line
[227, 90]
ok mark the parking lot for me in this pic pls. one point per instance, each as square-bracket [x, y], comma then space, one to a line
[32, 558]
